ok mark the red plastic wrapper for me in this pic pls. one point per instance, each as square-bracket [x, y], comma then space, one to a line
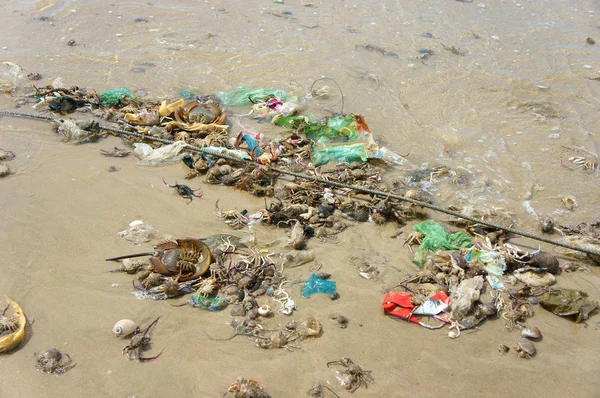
[400, 305]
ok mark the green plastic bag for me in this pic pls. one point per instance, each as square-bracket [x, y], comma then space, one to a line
[345, 138]
[290, 122]
[247, 96]
[435, 238]
[117, 96]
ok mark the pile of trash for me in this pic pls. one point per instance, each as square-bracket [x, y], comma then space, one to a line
[461, 284]
[465, 274]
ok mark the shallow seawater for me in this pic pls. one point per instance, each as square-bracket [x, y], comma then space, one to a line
[506, 90]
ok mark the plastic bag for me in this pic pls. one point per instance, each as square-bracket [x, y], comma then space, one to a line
[400, 305]
[495, 265]
[345, 138]
[139, 233]
[247, 96]
[464, 295]
[318, 285]
[296, 258]
[568, 303]
[435, 238]
[160, 156]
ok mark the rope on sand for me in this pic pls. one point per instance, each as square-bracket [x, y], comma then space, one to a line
[213, 152]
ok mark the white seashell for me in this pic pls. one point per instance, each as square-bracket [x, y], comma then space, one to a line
[124, 328]
[265, 310]
[136, 223]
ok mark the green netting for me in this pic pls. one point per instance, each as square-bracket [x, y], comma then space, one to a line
[247, 96]
[115, 97]
[435, 238]
[187, 95]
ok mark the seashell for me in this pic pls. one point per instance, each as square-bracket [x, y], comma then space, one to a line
[532, 333]
[238, 310]
[265, 310]
[135, 223]
[525, 348]
[570, 202]
[225, 169]
[124, 328]
[253, 313]
[503, 348]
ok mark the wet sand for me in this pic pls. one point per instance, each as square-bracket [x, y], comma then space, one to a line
[61, 210]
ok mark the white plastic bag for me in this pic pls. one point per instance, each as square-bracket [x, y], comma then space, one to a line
[160, 156]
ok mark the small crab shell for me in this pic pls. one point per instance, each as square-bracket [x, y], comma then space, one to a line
[124, 328]
[264, 310]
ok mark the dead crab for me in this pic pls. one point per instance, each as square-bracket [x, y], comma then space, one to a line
[140, 341]
[51, 361]
[243, 388]
[115, 153]
[353, 377]
[244, 327]
[8, 324]
[166, 289]
[414, 238]
[278, 339]
[233, 218]
[207, 286]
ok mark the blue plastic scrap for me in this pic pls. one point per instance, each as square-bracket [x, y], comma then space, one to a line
[314, 284]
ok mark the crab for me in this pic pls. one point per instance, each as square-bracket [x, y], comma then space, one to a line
[278, 339]
[256, 257]
[233, 218]
[139, 343]
[353, 377]
[184, 191]
[207, 286]
[8, 324]
[50, 361]
[130, 267]
[414, 238]
[247, 327]
[243, 388]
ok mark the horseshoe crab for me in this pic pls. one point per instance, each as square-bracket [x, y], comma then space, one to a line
[189, 258]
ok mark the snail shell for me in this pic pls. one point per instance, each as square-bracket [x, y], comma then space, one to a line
[124, 328]
[265, 310]
[532, 333]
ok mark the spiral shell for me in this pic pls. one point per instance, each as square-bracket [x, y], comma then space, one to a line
[124, 328]
[265, 310]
